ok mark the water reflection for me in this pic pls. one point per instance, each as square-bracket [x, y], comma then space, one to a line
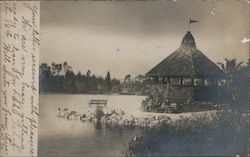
[98, 124]
[61, 137]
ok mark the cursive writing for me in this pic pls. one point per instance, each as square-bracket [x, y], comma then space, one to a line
[20, 23]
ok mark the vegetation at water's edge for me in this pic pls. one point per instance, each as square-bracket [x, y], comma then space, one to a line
[61, 78]
[225, 135]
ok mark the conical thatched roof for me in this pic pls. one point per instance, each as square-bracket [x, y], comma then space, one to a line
[187, 61]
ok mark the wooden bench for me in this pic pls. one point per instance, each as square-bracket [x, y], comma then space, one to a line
[98, 102]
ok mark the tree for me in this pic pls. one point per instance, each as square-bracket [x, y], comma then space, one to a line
[78, 83]
[88, 74]
[87, 81]
[237, 83]
[69, 82]
[56, 82]
[230, 67]
[66, 67]
[127, 78]
[93, 83]
[116, 85]
[108, 81]
[44, 77]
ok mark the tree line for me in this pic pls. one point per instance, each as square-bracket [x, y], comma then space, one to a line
[60, 78]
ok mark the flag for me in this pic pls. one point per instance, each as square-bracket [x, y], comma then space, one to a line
[192, 21]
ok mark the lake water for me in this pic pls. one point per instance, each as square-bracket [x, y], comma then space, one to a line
[60, 137]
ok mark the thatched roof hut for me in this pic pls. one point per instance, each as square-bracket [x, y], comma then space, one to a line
[187, 61]
[187, 72]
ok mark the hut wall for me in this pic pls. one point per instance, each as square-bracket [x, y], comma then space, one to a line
[175, 93]
[204, 93]
[180, 91]
[164, 89]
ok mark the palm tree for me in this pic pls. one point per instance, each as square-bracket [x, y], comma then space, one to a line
[237, 82]
[230, 66]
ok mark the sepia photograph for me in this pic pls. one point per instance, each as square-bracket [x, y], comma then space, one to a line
[144, 78]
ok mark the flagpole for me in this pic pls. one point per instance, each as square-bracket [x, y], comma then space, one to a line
[189, 24]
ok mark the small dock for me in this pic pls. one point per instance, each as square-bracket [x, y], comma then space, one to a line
[98, 103]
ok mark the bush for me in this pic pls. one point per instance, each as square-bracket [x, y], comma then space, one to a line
[223, 133]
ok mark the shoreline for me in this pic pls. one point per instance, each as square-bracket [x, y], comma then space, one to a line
[116, 118]
[90, 94]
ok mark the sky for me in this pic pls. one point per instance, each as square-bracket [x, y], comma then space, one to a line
[131, 37]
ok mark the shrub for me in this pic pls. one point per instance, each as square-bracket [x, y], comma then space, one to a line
[221, 133]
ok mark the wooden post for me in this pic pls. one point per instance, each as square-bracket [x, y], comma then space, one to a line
[192, 80]
[215, 82]
[156, 79]
[168, 86]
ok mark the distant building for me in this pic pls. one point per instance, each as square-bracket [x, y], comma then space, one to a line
[139, 79]
[188, 73]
